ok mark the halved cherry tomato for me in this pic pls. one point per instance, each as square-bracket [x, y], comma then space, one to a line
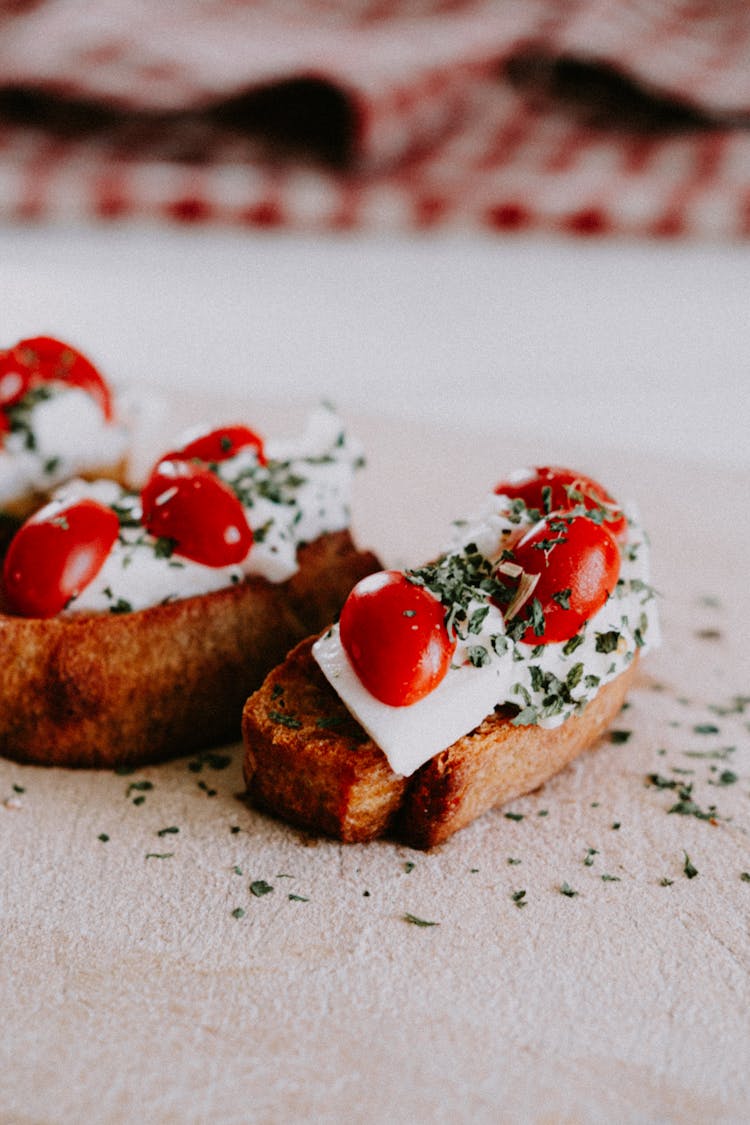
[47, 360]
[222, 443]
[56, 554]
[395, 637]
[189, 504]
[578, 563]
[566, 489]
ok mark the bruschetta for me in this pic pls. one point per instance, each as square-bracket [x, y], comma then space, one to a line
[135, 622]
[451, 688]
[59, 418]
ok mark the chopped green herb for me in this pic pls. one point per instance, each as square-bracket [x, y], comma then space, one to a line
[409, 866]
[237, 870]
[164, 547]
[260, 887]
[168, 831]
[588, 860]
[567, 890]
[610, 878]
[297, 898]
[607, 642]
[666, 882]
[329, 722]
[139, 787]
[619, 736]
[159, 855]
[745, 876]
[720, 755]
[415, 921]
[103, 837]
[478, 656]
[284, 720]
[706, 728]
[513, 816]
[238, 912]
[519, 897]
[616, 825]
[513, 861]
[121, 606]
[688, 868]
[570, 646]
[562, 597]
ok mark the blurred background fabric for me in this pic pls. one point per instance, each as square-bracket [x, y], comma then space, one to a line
[584, 116]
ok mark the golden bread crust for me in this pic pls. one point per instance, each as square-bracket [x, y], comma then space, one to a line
[105, 690]
[308, 761]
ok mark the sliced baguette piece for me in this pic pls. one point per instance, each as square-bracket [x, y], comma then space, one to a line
[108, 690]
[309, 762]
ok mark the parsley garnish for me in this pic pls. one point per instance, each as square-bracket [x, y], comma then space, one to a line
[260, 887]
[567, 890]
[284, 720]
[415, 921]
[570, 646]
[607, 642]
[688, 868]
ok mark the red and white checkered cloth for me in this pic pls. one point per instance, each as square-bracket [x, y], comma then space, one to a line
[586, 116]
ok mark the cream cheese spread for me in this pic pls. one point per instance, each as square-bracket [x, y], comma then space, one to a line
[302, 492]
[547, 683]
[57, 432]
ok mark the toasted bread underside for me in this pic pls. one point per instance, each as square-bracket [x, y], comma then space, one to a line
[309, 762]
[124, 689]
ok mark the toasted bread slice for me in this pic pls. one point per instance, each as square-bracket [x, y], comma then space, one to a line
[309, 762]
[123, 689]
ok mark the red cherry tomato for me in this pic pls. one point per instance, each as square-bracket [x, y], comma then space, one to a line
[395, 636]
[529, 485]
[56, 554]
[189, 504]
[221, 444]
[15, 379]
[578, 563]
[48, 360]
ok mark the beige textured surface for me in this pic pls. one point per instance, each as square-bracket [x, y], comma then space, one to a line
[130, 992]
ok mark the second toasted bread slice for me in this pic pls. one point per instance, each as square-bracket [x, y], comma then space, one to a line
[309, 762]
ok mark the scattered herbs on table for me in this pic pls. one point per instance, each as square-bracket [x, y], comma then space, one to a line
[260, 887]
[690, 870]
[415, 921]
